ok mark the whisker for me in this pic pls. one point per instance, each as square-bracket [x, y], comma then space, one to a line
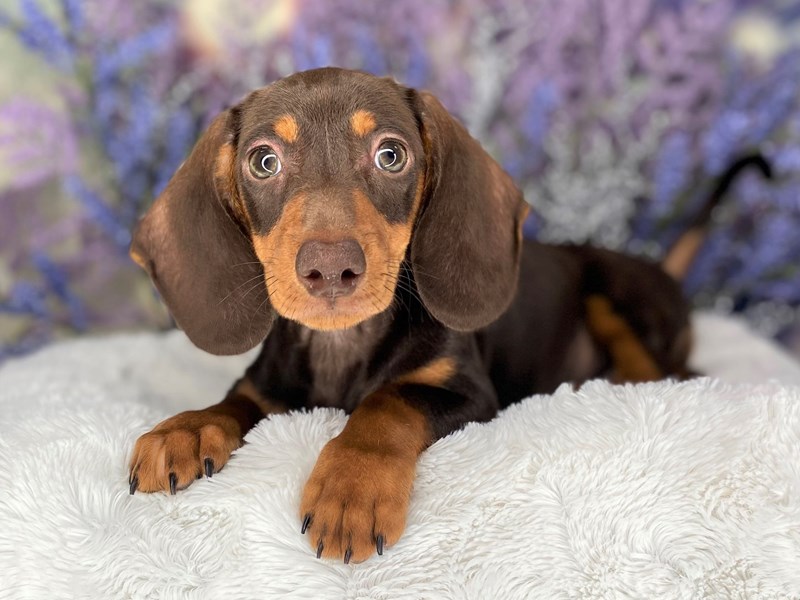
[407, 286]
[258, 308]
[292, 308]
[273, 286]
[392, 291]
[241, 285]
[406, 263]
[251, 262]
[373, 297]
[255, 287]
[402, 303]
[288, 301]
[288, 307]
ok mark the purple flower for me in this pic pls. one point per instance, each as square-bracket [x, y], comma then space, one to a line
[37, 142]
[73, 12]
[133, 51]
[724, 138]
[672, 173]
[653, 84]
[773, 245]
[536, 121]
[57, 281]
[41, 34]
[182, 131]
[99, 212]
[26, 298]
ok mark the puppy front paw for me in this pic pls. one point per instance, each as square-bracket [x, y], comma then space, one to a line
[181, 449]
[356, 500]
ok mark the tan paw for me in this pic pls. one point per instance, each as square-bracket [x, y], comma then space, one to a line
[179, 450]
[356, 500]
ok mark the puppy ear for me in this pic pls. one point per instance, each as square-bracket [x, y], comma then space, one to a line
[198, 253]
[466, 247]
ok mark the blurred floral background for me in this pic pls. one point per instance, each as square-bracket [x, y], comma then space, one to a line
[613, 115]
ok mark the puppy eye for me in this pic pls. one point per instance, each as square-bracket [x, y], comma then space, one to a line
[391, 156]
[264, 162]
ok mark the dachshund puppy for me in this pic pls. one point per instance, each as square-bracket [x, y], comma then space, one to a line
[353, 227]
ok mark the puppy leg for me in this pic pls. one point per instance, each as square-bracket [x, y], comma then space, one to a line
[630, 360]
[356, 500]
[357, 496]
[184, 447]
[638, 314]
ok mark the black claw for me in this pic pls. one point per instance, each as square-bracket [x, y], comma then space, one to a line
[306, 523]
[209, 467]
[347, 554]
[319, 549]
[173, 483]
[379, 544]
[134, 484]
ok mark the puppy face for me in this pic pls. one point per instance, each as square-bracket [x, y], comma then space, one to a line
[305, 199]
[329, 175]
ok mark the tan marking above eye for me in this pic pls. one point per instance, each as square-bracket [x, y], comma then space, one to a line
[287, 129]
[362, 122]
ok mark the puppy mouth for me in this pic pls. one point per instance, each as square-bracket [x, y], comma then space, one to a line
[331, 280]
[331, 286]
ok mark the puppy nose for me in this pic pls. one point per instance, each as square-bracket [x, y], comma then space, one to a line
[330, 268]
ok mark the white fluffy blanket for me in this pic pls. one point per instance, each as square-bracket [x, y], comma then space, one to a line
[663, 490]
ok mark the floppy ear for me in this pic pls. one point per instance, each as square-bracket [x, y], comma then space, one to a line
[466, 247]
[198, 254]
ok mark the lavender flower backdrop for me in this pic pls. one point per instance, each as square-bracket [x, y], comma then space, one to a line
[613, 115]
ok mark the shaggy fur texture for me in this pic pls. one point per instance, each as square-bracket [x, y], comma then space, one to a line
[654, 491]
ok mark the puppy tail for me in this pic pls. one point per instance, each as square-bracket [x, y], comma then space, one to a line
[682, 253]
